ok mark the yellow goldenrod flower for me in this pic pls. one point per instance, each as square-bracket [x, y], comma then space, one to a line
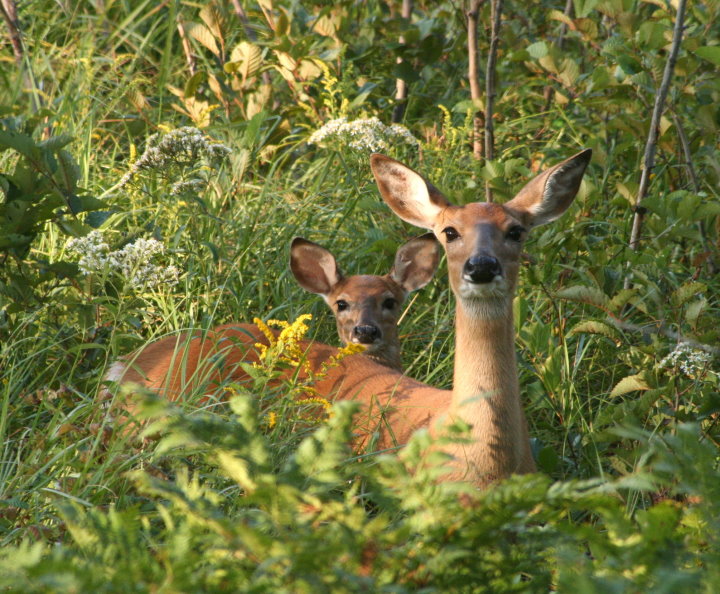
[271, 418]
[265, 330]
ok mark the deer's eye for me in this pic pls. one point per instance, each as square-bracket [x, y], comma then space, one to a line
[451, 234]
[389, 303]
[341, 305]
[515, 233]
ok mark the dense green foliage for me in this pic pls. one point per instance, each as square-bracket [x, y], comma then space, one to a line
[251, 493]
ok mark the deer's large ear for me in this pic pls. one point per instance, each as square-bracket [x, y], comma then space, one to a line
[547, 196]
[406, 192]
[314, 267]
[416, 262]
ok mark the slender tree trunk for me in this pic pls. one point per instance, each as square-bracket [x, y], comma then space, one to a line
[496, 7]
[9, 13]
[475, 93]
[651, 144]
[401, 89]
[712, 266]
[559, 43]
[8, 8]
[187, 48]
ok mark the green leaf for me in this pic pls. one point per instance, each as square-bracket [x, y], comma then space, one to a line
[97, 218]
[192, 84]
[68, 172]
[406, 71]
[15, 240]
[80, 204]
[55, 143]
[694, 310]
[203, 35]
[538, 50]
[709, 53]
[631, 383]
[22, 143]
[548, 459]
[687, 291]
[591, 295]
[245, 59]
[596, 327]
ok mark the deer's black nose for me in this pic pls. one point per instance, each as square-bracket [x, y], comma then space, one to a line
[481, 269]
[366, 334]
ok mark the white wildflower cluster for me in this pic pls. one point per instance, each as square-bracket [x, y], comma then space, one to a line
[690, 361]
[134, 262]
[188, 186]
[183, 147]
[368, 135]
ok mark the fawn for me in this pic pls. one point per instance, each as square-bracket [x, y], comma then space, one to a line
[367, 306]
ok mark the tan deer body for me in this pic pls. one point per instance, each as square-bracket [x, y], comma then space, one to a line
[483, 243]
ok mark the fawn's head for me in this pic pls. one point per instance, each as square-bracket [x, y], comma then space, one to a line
[366, 307]
[483, 240]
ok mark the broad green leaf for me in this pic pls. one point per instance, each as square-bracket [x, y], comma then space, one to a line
[591, 295]
[707, 209]
[285, 60]
[548, 63]
[192, 84]
[15, 240]
[694, 310]
[596, 327]
[538, 50]
[709, 53]
[68, 172]
[570, 73]
[213, 18]
[631, 383]
[309, 70]
[686, 207]
[22, 143]
[246, 59]
[326, 26]
[202, 34]
[557, 15]
[652, 35]
[55, 143]
[622, 298]
[80, 204]
[687, 291]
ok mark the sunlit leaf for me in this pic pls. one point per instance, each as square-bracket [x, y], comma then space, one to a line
[202, 34]
[631, 383]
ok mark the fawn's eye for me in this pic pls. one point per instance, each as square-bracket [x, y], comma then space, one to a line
[515, 233]
[451, 234]
[341, 305]
[389, 303]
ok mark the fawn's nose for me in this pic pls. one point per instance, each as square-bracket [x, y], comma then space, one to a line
[481, 269]
[366, 334]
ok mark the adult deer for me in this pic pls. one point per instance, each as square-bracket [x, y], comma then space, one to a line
[483, 242]
[367, 306]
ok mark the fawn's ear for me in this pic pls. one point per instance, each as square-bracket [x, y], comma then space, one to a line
[313, 266]
[406, 192]
[547, 196]
[416, 262]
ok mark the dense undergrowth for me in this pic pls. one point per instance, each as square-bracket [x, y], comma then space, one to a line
[155, 162]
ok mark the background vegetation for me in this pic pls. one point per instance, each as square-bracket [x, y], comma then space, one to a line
[618, 347]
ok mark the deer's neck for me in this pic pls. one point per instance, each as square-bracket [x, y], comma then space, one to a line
[388, 356]
[486, 394]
